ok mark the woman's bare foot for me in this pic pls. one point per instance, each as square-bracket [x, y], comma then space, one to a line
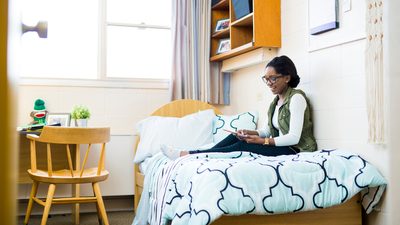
[170, 152]
[183, 153]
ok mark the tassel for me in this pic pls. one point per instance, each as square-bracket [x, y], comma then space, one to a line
[374, 72]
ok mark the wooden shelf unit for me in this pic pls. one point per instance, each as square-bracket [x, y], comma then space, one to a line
[260, 28]
[221, 34]
[244, 21]
[223, 4]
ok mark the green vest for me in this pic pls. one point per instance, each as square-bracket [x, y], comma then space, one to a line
[307, 141]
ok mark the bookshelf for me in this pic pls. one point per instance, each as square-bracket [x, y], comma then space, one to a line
[260, 28]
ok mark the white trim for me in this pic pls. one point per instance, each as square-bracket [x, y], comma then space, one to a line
[140, 25]
[97, 83]
[336, 44]
[123, 135]
[255, 57]
[102, 48]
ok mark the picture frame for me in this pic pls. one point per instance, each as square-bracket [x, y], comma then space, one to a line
[224, 45]
[64, 119]
[222, 24]
[323, 16]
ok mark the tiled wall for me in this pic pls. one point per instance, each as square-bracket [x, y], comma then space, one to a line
[333, 78]
[118, 108]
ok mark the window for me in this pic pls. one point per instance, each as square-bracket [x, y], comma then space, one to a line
[71, 39]
[94, 39]
[138, 38]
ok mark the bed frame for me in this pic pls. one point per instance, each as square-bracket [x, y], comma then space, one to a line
[348, 213]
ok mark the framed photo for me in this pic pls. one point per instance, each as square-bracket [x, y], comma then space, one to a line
[222, 24]
[64, 119]
[224, 45]
[323, 16]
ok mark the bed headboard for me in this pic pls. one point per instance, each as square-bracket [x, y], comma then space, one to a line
[180, 108]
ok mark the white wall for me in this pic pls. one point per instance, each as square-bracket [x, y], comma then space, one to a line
[334, 79]
[120, 108]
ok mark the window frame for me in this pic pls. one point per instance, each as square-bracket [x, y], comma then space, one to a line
[103, 25]
[102, 80]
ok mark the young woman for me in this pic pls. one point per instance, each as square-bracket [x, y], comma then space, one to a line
[289, 129]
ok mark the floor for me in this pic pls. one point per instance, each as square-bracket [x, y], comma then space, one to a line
[115, 218]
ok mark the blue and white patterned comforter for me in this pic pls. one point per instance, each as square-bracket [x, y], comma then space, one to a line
[197, 189]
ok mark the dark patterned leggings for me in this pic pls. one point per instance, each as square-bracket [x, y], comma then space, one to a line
[233, 144]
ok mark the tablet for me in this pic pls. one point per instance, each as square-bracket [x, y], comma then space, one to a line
[231, 131]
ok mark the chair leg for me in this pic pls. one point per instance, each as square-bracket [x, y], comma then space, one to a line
[49, 199]
[100, 203]
[30, 203]
[98, 214]
[76, 208]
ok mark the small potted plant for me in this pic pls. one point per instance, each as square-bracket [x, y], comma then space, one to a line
[80, 114]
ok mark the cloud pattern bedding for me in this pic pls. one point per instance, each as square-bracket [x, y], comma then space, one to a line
[198, 189]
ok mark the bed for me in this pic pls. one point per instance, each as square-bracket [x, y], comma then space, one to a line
[348, 212]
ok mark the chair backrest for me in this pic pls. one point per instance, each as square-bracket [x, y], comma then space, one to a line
[70, 136]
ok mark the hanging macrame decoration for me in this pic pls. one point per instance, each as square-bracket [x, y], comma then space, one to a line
[374, 70]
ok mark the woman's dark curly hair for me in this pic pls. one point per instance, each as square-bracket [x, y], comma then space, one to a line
[285, 66]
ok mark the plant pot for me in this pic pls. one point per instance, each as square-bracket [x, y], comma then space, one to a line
[81, 122]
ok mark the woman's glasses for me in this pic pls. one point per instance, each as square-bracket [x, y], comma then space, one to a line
[271, 79]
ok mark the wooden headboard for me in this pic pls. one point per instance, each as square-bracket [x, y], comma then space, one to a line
[178, 108]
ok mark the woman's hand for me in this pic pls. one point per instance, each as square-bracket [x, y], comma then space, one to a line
[243, 134]
[253, 139]
[247, 132]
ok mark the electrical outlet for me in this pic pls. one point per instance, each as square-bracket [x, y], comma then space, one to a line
[346, 5]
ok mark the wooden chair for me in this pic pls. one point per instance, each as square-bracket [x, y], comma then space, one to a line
[72, 174]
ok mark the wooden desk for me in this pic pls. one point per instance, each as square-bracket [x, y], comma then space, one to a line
[58, 156]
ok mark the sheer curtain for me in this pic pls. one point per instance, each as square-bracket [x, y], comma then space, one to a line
[193, 76]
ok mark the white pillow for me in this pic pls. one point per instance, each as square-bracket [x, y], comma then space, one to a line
[247, 120]
[189, 132]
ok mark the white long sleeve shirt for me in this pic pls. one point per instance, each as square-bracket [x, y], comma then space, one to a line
[297, 107]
